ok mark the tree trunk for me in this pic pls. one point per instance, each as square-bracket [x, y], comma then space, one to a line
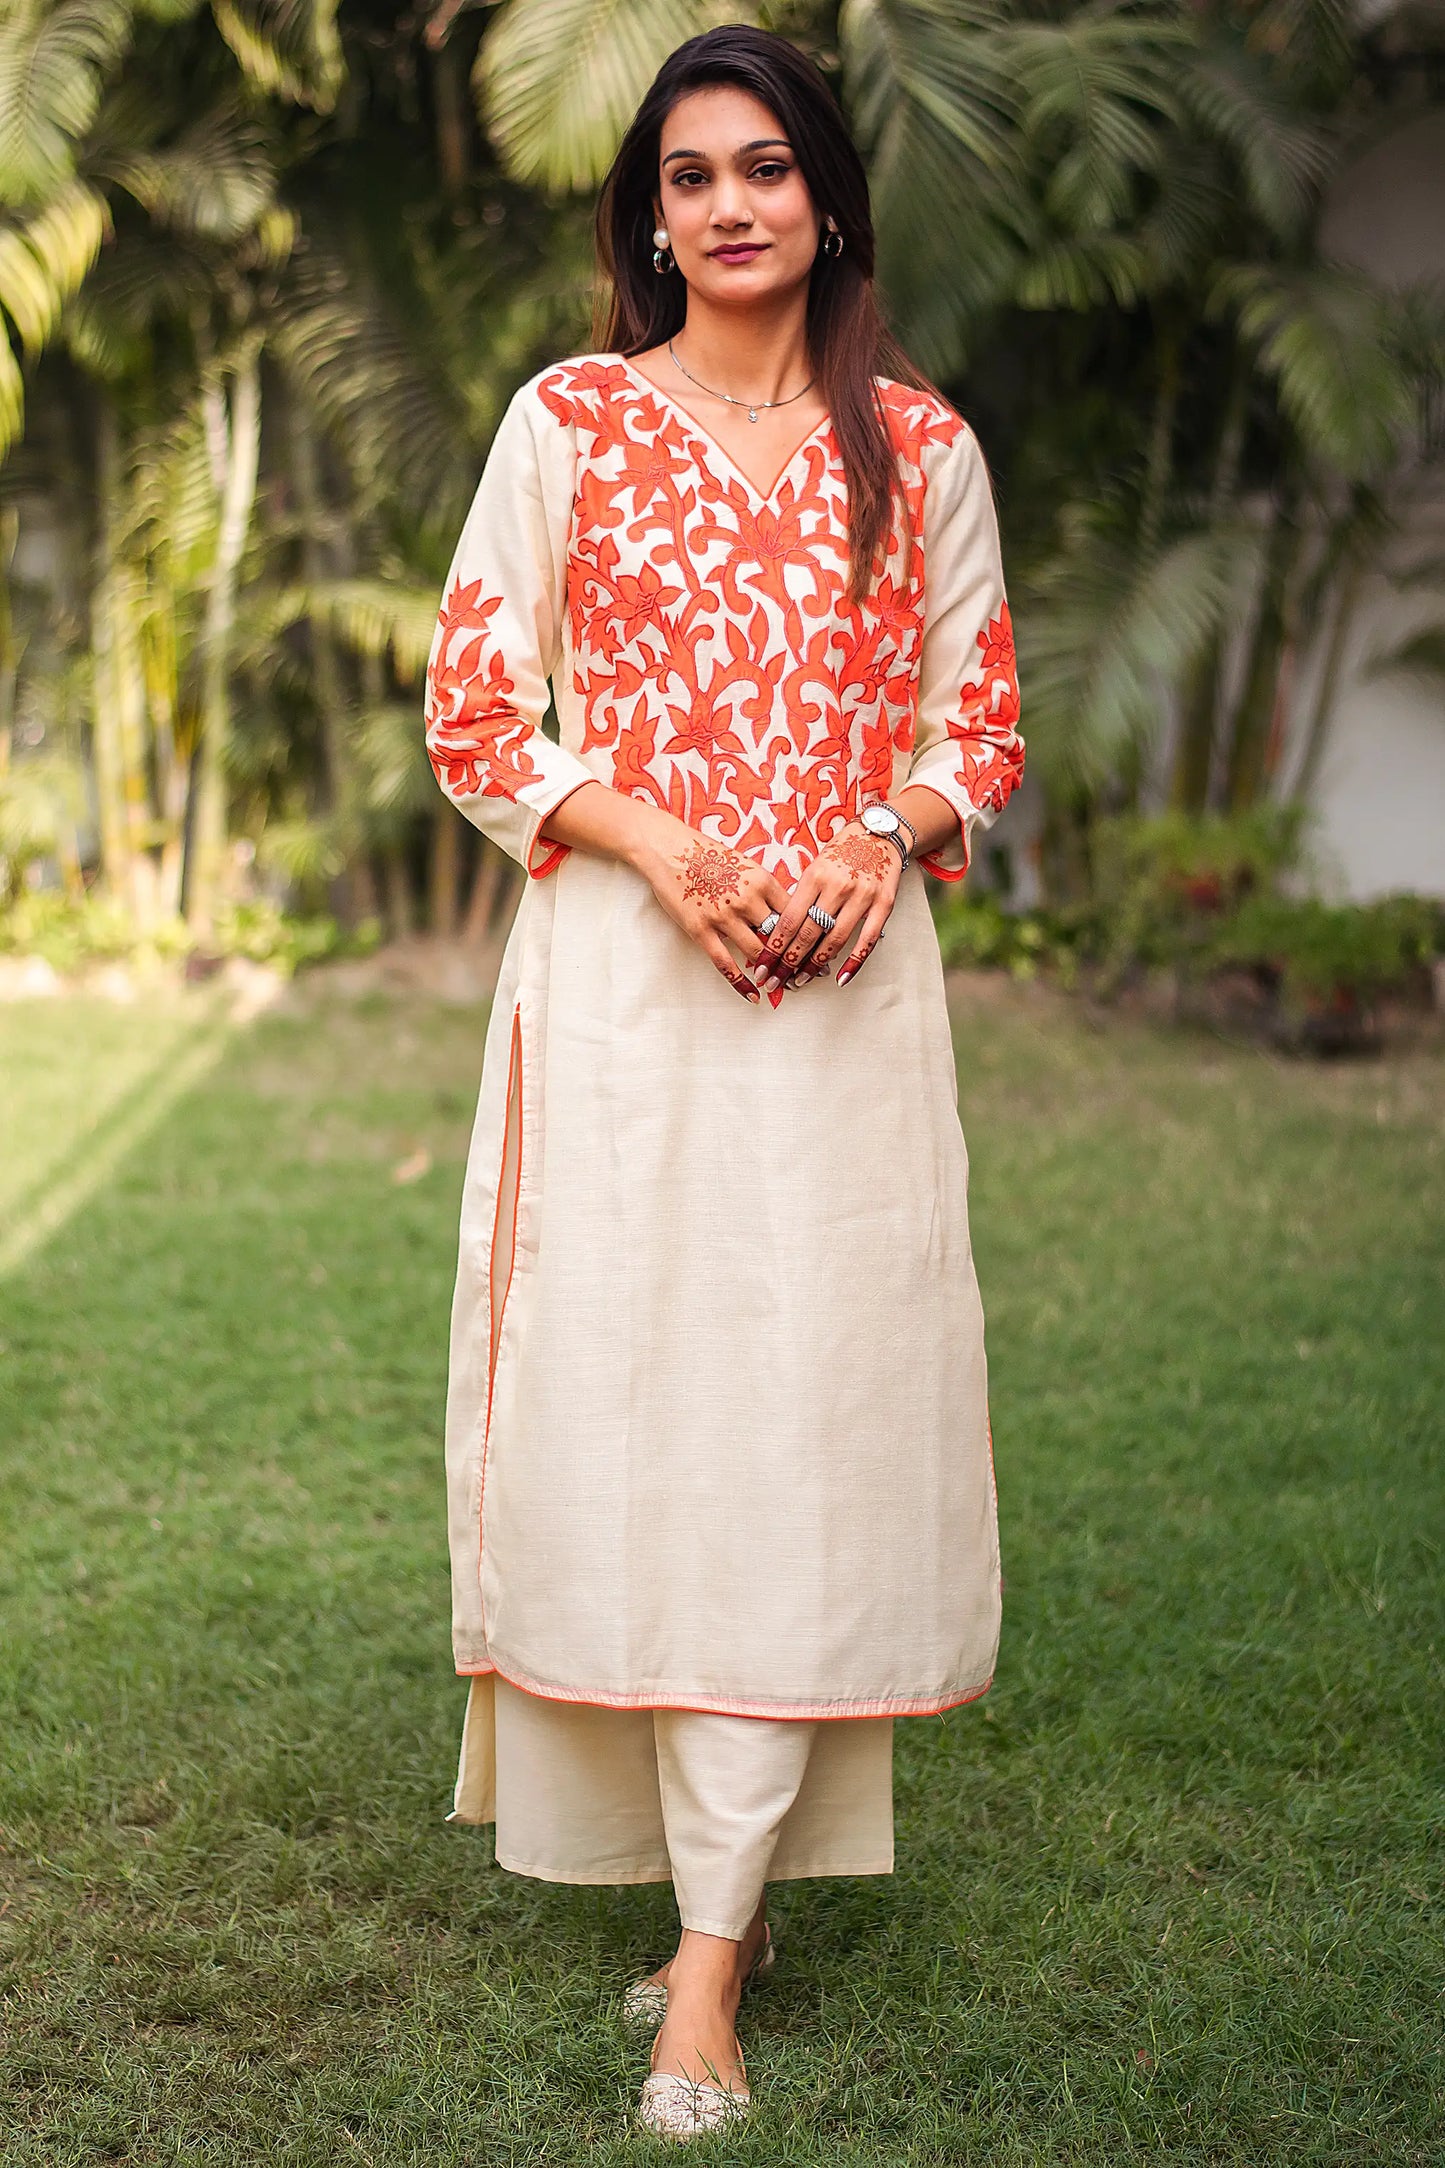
[451, 103]
[318, 563]
[1258, 705]
[118, 695]
[1347, 602]
[400, 913]
[1199, 717]
[205, 871]
[486, 887]
[1161, 443]
[446, 870]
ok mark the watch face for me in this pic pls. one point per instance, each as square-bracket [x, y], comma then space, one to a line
[879, 820]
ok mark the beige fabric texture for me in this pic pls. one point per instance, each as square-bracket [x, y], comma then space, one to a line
[717, 1422]
[718, 1805]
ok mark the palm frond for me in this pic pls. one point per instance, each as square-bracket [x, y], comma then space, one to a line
[1099, 99]
[378, 617]
[44, 261]
[217, 180]
[1104, 637]
[1085, 271]
[42, 264]
[935, 108]
[140, 284]
[1281, 156]
[390, 748]
[53, 63]
[355, 359]
[557, 81]
[289, 47]
[1324, 335]
[944, 58]
[1180, 230]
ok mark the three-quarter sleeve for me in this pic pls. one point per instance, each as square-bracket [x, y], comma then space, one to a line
[967, 748]
[499, 639]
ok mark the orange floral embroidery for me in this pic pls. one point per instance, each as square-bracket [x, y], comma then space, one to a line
[991, 750]
[717, 663]
[720, 670]
[475, 737]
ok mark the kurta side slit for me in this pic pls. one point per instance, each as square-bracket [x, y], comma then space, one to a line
[717, 1428]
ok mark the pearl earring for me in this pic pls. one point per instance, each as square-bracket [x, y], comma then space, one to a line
[662, 256]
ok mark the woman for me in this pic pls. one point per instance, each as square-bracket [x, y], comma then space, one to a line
[719, 1469]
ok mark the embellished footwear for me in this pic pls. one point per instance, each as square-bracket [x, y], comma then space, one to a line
[680, 2108]
[645, 2002]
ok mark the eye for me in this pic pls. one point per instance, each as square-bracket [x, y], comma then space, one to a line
[689, 177]
[771, 169]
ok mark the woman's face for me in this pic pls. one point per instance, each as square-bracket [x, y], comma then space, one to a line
[740, 221]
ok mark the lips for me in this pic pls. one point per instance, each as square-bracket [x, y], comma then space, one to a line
[741, 252]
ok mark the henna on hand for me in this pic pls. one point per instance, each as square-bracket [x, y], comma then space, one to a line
[863, 855]
[711, 873]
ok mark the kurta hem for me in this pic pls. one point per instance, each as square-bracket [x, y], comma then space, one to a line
[816, 1712]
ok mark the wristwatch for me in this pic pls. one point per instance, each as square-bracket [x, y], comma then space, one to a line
[881, 820]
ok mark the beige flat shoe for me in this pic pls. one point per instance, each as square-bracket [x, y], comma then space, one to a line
[645, 2002]
[678, 2108]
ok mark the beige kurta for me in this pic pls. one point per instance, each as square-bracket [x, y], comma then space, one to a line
[717, 1426]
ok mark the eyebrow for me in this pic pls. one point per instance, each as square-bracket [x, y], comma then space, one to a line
[763, 143]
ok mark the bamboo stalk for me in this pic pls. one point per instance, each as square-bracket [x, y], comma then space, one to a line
[205, 867]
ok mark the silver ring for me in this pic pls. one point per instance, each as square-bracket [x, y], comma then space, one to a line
[769, 923]
[822, 918]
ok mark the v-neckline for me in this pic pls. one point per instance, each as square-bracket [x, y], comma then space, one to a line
[764, 497]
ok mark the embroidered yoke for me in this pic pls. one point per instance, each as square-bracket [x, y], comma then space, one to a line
[717, 1429]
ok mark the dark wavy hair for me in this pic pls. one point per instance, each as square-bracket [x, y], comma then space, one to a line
[848, 342]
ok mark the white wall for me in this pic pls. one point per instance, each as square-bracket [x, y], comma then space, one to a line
[1380, 791]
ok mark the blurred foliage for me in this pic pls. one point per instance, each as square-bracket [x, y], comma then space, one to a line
[1318, 952]
[1198, 898]
[270, 269]
[71, 934]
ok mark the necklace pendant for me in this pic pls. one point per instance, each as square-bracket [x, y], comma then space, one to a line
[752, 413]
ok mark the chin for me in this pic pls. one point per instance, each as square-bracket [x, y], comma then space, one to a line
[748, 282]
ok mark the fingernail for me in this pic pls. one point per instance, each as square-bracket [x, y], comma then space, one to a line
[843, 977]
[749, 993]
[760, 974]
[771, 985]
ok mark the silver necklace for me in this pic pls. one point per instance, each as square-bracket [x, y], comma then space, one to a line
[754, 406]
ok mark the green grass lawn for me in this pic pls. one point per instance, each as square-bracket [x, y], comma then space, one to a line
[1169, 1894]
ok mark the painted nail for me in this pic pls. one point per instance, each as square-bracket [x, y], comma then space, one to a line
[771, 985]
[843, 977]
[760, 974]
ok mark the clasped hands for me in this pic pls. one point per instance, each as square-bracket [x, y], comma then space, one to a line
[722, 900]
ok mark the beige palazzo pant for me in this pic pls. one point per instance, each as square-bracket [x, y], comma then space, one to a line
[718, 1805]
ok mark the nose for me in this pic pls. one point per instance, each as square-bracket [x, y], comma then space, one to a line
[730, 206]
